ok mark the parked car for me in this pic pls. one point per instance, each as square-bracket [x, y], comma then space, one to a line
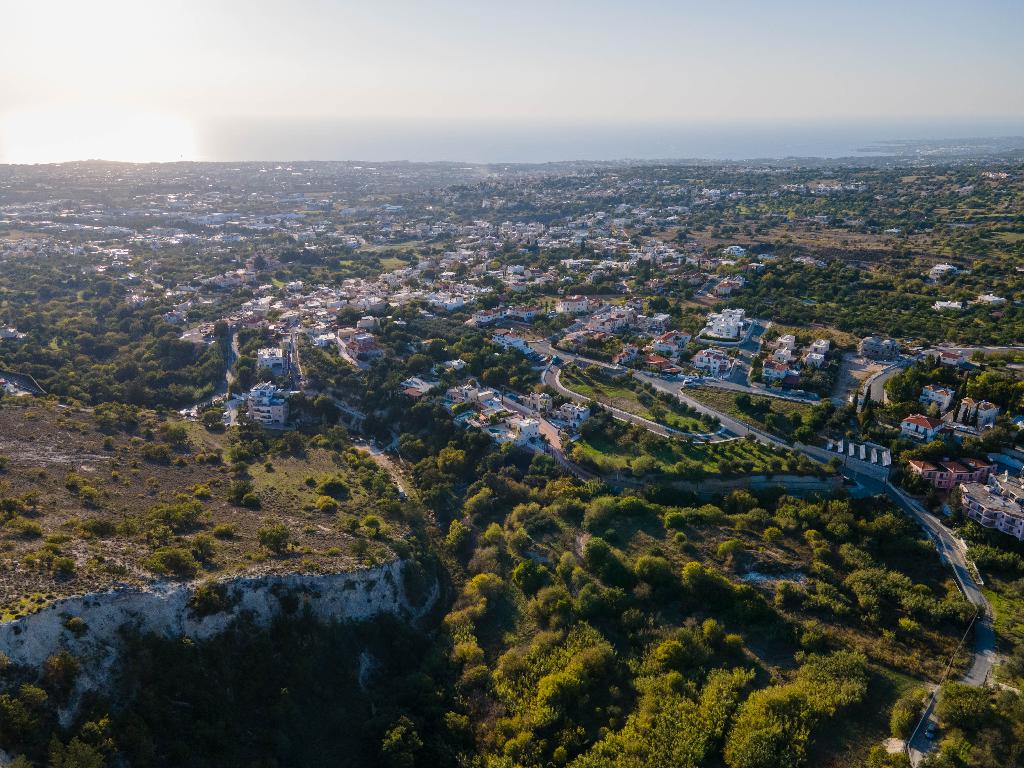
[930, 732]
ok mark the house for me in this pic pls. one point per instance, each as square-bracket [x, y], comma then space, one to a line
[511, 341]
[523, 314]
[782, 355]
[358, 345]
[942, 397]
[728, 285]
[727, 324]
[655, 324]
[572, 305]
[821, 347]
[539, 401]
[416, 387]
[876, 348]
[661, 364]
[993, 505]
[773, 370]
[786, 342]
[488, 316]
[574, 415]
[990, 299]
[987, 414]
[950, 357]
[814, 360]
[627, 355]
[939, 271]
[920, 427]
[268, 405]
[670, 343]
[712, 361]
[524, 430]
[273, 359]
[947, 474]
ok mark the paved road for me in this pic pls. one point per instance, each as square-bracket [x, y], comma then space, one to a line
[674, 388]
[953, 553]
[876, 383]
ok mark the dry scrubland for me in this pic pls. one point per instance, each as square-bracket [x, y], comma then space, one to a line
[85, 507]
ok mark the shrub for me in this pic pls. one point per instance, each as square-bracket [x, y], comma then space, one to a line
[76, 625]
[334, 487]
[172, 561]
[209, 598]
[98, 527]
[25, 528]
[326, 504]
[275, 538]
[63, 566]
[251, 501]
[157, 453]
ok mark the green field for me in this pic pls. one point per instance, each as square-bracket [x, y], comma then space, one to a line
[622, 393]
[683, 459]
[769, 413]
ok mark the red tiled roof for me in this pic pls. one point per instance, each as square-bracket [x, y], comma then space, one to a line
[920, 420]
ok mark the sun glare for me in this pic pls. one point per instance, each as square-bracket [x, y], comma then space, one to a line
[62, 135]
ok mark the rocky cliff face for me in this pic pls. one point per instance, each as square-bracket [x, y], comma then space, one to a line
[165, 609]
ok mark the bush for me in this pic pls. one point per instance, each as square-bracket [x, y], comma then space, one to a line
[906, 712]
[172, 561]
[275, 538]
[60, 671]
[209, 598]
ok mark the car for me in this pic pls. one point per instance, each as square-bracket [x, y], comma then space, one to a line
[555, 360]
[930, 732]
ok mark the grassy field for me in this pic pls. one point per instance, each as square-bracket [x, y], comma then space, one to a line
[622, 393]
[725, 400]
[687, 460]
[1008, 606]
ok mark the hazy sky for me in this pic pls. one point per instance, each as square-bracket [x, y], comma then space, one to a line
[522, 62]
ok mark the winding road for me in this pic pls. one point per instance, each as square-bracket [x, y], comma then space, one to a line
[951, 550]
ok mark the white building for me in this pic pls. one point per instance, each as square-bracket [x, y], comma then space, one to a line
[774, 370]
[727, 324]
[573, 305]
[712, 361]
[940, 396]
[539, 401]
[814, 359]
[525, 430]
[786, 342]
[574, 414]
[939, 271]
[273, 359]
[511, 341]
[268, 405]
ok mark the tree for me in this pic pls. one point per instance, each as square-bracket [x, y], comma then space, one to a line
[400, 744]
[964, 706]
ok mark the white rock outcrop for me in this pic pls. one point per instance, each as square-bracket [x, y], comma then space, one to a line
[164, 609]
